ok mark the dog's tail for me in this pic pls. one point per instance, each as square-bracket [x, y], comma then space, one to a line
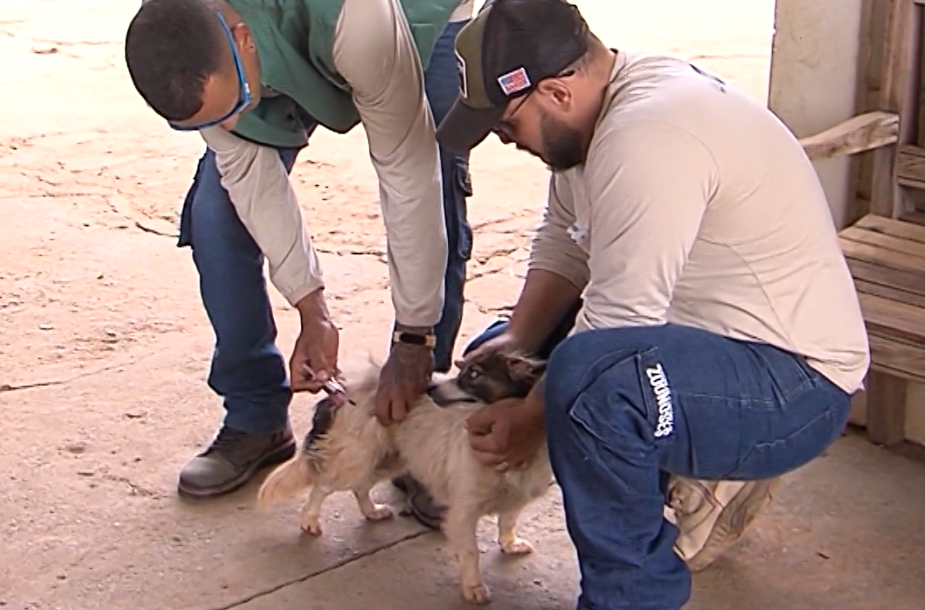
[286, 481]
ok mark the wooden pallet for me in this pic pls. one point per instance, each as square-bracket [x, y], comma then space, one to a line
[887, 260]
[885, 249]
[891, 180]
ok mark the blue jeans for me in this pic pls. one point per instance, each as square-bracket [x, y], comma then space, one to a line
[247, 369]
[626, 407]
[441, 84]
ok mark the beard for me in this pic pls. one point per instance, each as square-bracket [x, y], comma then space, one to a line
[563, 147]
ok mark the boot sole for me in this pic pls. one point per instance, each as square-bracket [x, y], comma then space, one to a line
[277, 456]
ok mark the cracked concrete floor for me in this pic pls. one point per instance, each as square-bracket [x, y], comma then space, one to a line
[104, 350]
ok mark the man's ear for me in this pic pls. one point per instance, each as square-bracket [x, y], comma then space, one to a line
[244, 37]
[556, 94]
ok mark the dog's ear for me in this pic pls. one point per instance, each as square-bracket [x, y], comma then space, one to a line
[523, 367]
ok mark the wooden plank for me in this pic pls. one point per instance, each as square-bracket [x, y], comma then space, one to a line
[893, 319]
[858, 134]
[896, 228]
[886, 408]
[884, 258]
[890, 292]
[910, 166]
[920, 110]
[905, 247]
[893, 278]
[896, 94]
[874, 19]
[900, 359]
[883, 191]
[915, 216]
[885, 367]
[877, 18]
[857, 416]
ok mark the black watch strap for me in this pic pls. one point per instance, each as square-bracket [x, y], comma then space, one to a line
[424, 340]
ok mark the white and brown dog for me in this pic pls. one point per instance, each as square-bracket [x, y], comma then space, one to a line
[348, 450]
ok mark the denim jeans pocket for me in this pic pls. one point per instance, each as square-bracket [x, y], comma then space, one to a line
[628, 408]
[789, 374]
[613, 429]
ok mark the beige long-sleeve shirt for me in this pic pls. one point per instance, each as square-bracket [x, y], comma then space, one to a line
[697, 206]
[375, 53]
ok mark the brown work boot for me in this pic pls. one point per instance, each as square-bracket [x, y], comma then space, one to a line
[713, 515]
[420, 505]
[232, 459]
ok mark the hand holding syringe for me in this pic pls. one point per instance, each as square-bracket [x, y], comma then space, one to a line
[334, 389]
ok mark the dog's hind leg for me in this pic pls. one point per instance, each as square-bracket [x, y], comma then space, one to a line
[311, 510]
[460, 526]
[508, 540]
[370, 510]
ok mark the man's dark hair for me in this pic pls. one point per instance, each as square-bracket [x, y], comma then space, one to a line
[171, 48]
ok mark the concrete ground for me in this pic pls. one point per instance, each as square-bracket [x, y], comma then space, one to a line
[104, 349]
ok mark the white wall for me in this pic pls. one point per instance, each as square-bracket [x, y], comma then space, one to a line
[813, 78]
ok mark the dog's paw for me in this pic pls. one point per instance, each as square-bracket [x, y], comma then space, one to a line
[379, 512]
[311, 524]
[476, 594]
[516, 546]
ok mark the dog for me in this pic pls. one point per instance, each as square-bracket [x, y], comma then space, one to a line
[348, 450]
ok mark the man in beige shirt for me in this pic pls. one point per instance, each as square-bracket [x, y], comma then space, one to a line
[686, 283]
[255, 79]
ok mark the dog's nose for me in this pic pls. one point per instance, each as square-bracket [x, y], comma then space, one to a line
[433, 391]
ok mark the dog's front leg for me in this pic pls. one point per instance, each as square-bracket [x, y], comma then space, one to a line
[508, 540]
[370, 510]
[311, 511]
[460, 527]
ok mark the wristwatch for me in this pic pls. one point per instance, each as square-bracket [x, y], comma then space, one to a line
[404, 336]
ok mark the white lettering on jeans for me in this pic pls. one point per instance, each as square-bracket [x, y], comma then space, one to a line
[659, 384]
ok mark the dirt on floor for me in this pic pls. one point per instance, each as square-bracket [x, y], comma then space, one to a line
[104, 351]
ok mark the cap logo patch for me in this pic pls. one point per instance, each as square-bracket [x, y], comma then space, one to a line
[514, 81]
[463, 79]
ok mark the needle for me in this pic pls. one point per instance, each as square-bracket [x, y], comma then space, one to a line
[331, 386]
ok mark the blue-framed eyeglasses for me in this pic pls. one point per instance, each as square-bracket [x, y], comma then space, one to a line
[244, 90]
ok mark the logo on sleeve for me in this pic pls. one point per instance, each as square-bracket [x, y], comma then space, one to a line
[658, 381]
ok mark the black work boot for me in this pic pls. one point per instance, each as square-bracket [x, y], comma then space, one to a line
[421, 506]
[232, 459]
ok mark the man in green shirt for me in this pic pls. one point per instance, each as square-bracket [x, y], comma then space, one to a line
[255, 78]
